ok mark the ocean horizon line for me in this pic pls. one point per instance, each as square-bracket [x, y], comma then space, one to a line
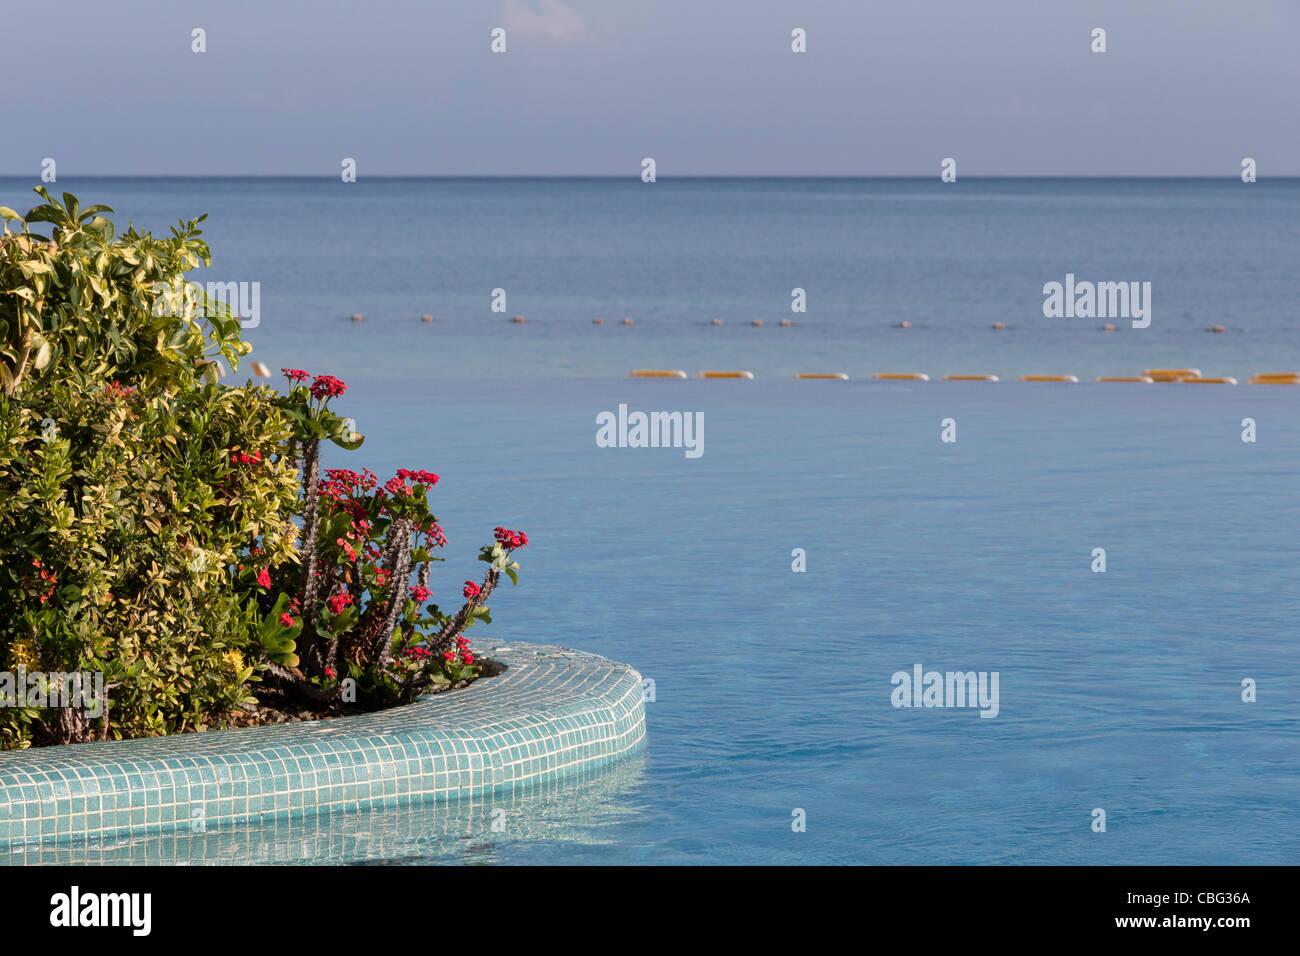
[503, 177]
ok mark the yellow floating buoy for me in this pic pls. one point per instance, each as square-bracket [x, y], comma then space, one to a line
[715, 322]
[786, 323]
[970, 378]
[1226, 380]
[357, 316]
[757, 323]
[1171, 374]
[725, 375]
[999, 326]
[902, 376]
[1275, 378]
[597, 321]
[260, 370]
[835, 375]
[657, 373]
[518, 320]
[1049, 378]
[1135, 378]
[628, 322]
[426, 319]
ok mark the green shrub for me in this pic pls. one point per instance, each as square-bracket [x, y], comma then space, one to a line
[150, 517]
[120, 510]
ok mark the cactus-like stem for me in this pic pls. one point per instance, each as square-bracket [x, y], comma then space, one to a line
[453, 628]
[422, 580]
[310, 523]
[398, 570]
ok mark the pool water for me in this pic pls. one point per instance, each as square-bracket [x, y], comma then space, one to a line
[1119, 690]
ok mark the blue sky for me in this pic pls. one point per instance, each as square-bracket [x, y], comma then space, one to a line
[1007, 87]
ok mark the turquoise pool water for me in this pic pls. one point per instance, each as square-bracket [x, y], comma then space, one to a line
[1119, 691]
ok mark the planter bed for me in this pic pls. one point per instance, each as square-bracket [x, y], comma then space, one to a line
[552, 714]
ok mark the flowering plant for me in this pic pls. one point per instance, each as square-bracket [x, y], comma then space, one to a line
[121, 511]
[176, 535]
[343, 623]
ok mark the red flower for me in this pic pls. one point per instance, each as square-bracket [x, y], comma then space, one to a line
[420, 594]
[47, 577]
[287, 620]
[327, 386]
[330, 673]
[471, 590]
[339, 601]
[264, 578]
[295, 374]
[448, 655]
[511, 539]
[420, 477]
[340, 483]
[468, 658]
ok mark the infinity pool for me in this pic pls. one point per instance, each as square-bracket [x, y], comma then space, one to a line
[1119, 690]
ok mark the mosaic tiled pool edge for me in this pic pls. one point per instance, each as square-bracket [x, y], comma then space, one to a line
[554, 713]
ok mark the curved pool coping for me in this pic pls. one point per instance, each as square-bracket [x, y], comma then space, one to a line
[554, 713]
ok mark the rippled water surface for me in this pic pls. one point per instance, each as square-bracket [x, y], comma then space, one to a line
[951, 259]
[1119, 691]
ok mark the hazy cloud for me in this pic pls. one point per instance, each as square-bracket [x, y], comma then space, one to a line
[552, 19]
